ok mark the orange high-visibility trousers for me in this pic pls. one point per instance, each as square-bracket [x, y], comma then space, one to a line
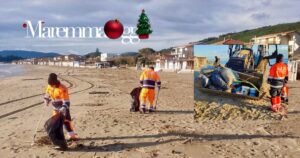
[285, 92]
[147, 94]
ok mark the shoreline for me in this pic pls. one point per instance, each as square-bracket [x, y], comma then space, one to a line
[10, 70]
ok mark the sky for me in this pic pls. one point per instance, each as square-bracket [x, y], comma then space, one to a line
[174, 22]
[210, 51]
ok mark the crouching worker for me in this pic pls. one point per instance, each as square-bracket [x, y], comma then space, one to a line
[278, 77]
[58, 95]
[148, 79]
[135, 99]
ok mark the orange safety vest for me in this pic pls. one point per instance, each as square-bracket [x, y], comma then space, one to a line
[148, 79]
[278, 75]
[59, 95]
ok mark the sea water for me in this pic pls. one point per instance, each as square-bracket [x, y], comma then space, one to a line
[7, 70]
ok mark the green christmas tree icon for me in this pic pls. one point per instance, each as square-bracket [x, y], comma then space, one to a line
[143, 26]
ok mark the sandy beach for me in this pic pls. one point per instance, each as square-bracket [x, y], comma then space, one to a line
[102, 120]
[107, 128]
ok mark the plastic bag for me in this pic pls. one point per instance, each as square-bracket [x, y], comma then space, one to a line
[54, 129]
[228, 75]
[204, 81]
[217, 80]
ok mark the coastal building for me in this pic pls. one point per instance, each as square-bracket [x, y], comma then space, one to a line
[181, 58]
[294, 70]
[184, 57]
[32, 61]
[71, 60]
[106, 57]
[290, 38]
[199, 62]
[43, 61]
[165, 62]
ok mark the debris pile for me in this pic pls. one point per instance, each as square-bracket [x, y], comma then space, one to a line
[44, 140]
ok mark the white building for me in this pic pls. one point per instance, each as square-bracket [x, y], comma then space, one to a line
[106, 57]
[165, 62]
[179, 59]
[290, 38]
[71, 60]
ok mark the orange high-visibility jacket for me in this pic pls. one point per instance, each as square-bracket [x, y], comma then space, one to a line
[278, 75]
[149, 78]
[59, 95]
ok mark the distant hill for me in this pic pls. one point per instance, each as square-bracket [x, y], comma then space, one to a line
[9, 58]
[97, 53]
[165, 51]
[246, 35]
[27, 54]
[93, 54]
[130, 54]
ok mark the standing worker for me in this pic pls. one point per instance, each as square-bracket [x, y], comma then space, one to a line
[148, 79]
[278, 77]
[57, 93]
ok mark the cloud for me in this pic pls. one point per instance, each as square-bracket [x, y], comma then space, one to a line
[260, 16]
[174, 22]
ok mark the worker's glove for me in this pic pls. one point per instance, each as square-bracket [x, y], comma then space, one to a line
[63, 110]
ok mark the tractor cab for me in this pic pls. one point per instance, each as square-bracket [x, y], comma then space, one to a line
[244, 59]
[240, 58]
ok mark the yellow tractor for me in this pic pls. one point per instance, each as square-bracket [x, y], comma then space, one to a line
[244, 59]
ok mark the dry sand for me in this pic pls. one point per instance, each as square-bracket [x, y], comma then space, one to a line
[102, 120]
[108, 129]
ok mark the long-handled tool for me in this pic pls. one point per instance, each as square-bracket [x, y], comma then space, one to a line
[156, 100]
[37, 125]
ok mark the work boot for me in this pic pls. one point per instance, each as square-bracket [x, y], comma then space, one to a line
[56, 147]
[143, 110]
[151, 109]
[62, 147]
[72, 136]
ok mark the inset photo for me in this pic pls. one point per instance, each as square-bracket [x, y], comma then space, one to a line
[243, 81]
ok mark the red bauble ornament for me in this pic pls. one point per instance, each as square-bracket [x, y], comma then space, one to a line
[113, 29]
[145, 36]
[24, 25]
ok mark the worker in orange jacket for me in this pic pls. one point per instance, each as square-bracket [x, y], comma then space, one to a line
[57, 93]
[278, 78]
[148, 79]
